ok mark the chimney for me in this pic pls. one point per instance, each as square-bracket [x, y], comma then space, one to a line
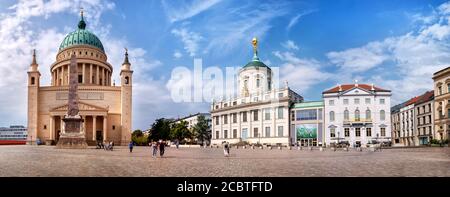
[356, 83]
[373, 88]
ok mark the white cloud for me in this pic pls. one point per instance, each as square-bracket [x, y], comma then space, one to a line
[177, 55]
[295, 19]
[290, 45]
[179, 11]
[190, 40]
[301, 73]
[359, 59]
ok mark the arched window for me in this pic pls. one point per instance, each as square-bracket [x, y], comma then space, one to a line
[357, 115]
[382, 115]
[331, 115]
[346, 115]
[368, 114]
[258, 82]
[127, 80]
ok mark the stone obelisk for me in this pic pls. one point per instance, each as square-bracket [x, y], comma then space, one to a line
[72, 135]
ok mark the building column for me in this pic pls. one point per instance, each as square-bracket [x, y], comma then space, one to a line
[94, 126]
[52, 130]
[103, 77]
[84, 73]
[84, 126]
[105, 126]
[97, 76]
[90, 73]
[61, 122]
[68, 73]
[62, 75]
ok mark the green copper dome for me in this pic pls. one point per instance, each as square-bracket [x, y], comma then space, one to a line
[81, 36]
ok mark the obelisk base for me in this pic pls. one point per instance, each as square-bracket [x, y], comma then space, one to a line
[72, 136]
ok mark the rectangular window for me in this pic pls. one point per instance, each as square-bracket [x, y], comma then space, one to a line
[255, 132]
[319, 114]
[225, 119]
[267, 131]
[347, 132]
[358, 132]
[307, 114]
[280, 95]
[382, 101]
[367, 100]
[345, 101]
[217, 120]
[217, 134]
[280, 112]
[331, 102]
[293, 115]
[356, 101]
[244, 116]
[255, 115]
[332, 132]
[369, 132]
[440, 90]
[267, 114]
[225, 134]
[80, 78]
[235, 118]
[383, 132]
[234, 133]
[280, 131]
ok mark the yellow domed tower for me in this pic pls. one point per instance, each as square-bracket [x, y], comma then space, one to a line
[104, 107]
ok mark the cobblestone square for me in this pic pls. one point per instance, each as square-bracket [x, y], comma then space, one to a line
[45, 161]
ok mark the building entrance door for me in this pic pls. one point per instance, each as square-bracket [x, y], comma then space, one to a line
[308, 142]
[99, 136]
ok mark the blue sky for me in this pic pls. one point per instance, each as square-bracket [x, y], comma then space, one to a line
[396, 45]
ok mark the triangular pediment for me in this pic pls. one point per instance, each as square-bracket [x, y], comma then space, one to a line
[81, 106]
[356, 91]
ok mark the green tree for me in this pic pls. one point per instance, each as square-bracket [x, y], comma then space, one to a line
[138, 138]
[160, 129]
[180, 131]
[201, 130]
[137, 133]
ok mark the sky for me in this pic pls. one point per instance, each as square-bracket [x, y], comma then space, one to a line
[394, 44]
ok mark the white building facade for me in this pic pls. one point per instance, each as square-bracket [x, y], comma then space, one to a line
[357, 113]
[192, 119]
[15, 132]
[259, 114]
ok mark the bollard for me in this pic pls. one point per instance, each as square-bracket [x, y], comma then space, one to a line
[320, 149]
[270, 147]
[260, 147]
[299, 148]
[245, 147]
[310, 148]
[289, 147]
[279, 147]
[253, 147]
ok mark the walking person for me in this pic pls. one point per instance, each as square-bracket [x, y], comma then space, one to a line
[130, 145]
[154, 148]
[226, 150]
[161, 148]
